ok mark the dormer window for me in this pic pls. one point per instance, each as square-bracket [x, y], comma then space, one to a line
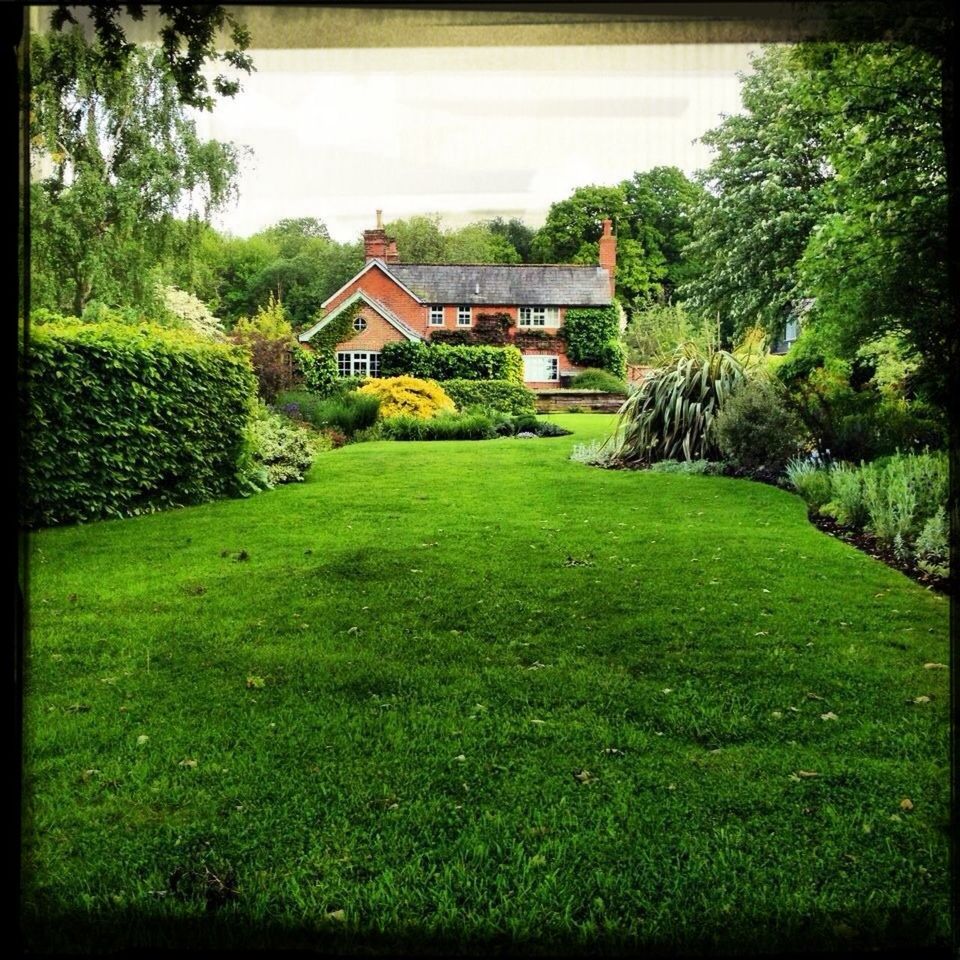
[436, 316]
[463, 316]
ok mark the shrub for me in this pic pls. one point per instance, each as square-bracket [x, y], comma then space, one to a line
[318, 372]
[441, 361]
[501, 395]
[932, 548]
[348, 414]
[846, 504]
[902, 492]
[269, 338]
[689, 467]
[120, 420]
[670, 415]
[756, 427]
[540, 428]
[595, 453]
[810, 480]
[283, 449]
[444, 426]
[596, 379]
[192, 312]
[593, 338]
[408, 395]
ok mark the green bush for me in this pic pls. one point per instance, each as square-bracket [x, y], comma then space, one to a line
[542, 428]
[440, 361]
[348, 413]
[119, 420]
[901, 493]
[932, 549]
[810, 480]
[596, 379]
[318, 371]
[593, 338]
[502, 395]
[757, 428]
[846, 505]
[284, 450]
[444, 426]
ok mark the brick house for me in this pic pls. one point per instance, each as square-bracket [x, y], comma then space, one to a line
[414, 301]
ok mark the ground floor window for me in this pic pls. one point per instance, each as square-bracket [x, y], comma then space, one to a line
[541, 369]
[354, 363]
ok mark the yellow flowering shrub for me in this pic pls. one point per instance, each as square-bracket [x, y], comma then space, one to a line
[410, 396]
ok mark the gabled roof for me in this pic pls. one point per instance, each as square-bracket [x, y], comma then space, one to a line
[370, 265]
[505, 284]
[375, 304]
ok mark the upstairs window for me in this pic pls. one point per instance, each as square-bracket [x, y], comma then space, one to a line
[436, 316]
[538, 317]
[463, 316]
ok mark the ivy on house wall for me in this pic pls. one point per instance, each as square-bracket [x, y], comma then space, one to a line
[593, 338]
[337, 331]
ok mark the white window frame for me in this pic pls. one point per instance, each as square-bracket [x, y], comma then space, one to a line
[358, 363]
[538, 317]
[464, 316]
[436, 315]
[554, 362]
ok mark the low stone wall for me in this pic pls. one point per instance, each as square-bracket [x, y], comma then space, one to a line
[570, 401]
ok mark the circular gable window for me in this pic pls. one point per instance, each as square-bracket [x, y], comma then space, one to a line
[359, 324]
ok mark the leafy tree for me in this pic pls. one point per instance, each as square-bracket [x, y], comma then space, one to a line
[659, 329]
[118, 157]
[419, 239]
[477, 243]
[575, 223]
[662, 202]
[765, 196]
[190, 26]
[292, 233]
[833, 185]
[516, 232]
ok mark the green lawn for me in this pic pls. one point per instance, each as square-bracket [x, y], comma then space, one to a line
[351, 712]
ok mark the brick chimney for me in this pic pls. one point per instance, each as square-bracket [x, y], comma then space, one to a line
[608, 253]
[376, 243]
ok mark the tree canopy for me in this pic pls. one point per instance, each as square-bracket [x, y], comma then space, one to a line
[116, 158]
[831, 186]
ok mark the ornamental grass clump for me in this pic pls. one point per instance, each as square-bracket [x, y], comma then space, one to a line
[810, 480]
[409, 396]
[672, 412]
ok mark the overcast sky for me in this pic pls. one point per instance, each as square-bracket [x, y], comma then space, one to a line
[468, 132]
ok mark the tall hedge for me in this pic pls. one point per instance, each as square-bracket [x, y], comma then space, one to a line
[119, 420]
[440, 361]
[593, 339]
[503, 395]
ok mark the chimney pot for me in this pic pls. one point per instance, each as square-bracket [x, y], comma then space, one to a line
[379, 220]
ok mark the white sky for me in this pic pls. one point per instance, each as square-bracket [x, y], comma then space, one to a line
[468, 133]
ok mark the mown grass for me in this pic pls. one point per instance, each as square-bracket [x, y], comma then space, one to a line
[470, 694]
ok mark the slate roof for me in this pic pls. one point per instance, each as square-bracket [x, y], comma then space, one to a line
[505, 284]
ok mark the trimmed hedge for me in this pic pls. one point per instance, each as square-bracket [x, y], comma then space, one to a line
[440, 361]
[496, 394]
[119, 420]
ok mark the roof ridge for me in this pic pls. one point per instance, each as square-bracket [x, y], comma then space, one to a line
[580, 266]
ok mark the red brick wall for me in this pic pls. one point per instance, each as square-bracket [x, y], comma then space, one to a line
[378, 333]
[385, 289]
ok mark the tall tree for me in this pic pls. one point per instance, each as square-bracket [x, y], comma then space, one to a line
[188, 40]
[832, 186]
[516, 232]
[117, 157]
[662, 203]
[764, 198]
